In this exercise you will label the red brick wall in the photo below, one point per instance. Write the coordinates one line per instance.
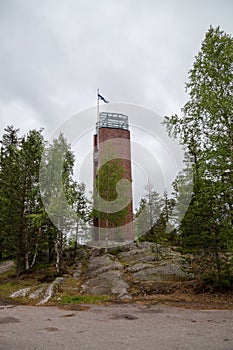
(121, 150)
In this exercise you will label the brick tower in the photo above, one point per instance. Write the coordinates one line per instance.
(113, 217)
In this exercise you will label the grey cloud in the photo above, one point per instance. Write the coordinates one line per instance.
(54, 54)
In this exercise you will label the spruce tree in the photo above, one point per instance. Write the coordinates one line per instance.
(9, 194)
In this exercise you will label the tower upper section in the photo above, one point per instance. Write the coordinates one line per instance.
(112, 120)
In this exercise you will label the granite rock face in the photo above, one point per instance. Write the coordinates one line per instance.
(37, 293)
(20, 293)
(159, 272)
(137, 255)
(142, 265)
(107, 283)
(123, 272)
(103, 276)
(101, 264)
(51, 290)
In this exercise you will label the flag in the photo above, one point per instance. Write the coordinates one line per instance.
(100, 97)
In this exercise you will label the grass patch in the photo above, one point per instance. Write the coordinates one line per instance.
(79, 299)
(9, 284)
(71, 284)
(9, 287)
(7, 275)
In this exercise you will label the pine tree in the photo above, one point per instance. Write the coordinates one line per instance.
(148, 215)
(9, 193)
(20, 197)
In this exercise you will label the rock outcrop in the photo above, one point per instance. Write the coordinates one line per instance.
(20, 293)
(133, 270)
(107, 283)
(51, 290)
(103, 276)
(43, 292)
(122, 273)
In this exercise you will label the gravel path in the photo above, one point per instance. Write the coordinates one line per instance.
(115, 327)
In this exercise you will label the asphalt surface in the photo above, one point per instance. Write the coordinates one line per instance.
(115, 327)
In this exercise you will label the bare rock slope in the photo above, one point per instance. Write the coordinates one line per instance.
(121, 273)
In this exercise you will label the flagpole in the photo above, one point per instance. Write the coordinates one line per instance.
(98, 105)
(96, 228)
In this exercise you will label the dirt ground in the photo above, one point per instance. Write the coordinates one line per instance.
(115, 327)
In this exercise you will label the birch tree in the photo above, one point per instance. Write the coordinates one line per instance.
(56, 189)
(205, 128)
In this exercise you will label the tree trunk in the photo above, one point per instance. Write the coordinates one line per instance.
(27, 261)
(76, 239)
(59, 251)
(20, 245)
(27, 253)
(34, 256)
(217, 261)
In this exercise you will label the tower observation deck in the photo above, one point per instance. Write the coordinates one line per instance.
(112, 120)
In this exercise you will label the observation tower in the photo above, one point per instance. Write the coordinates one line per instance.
(113, 209)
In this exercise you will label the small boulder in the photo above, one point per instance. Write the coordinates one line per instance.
(108, 283)
(37, 293)
(51, 290)
(20, 293)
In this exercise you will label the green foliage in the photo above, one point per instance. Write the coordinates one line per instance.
(82, 208)
(152, 216)
(26, 231)
(79, 299)
(19, 194)
(109, 174)
(9, 186)
(206, 131)
(57, 190)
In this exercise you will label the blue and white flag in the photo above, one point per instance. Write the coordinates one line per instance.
(100, 97)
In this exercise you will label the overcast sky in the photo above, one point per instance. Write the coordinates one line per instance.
(55, 54)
